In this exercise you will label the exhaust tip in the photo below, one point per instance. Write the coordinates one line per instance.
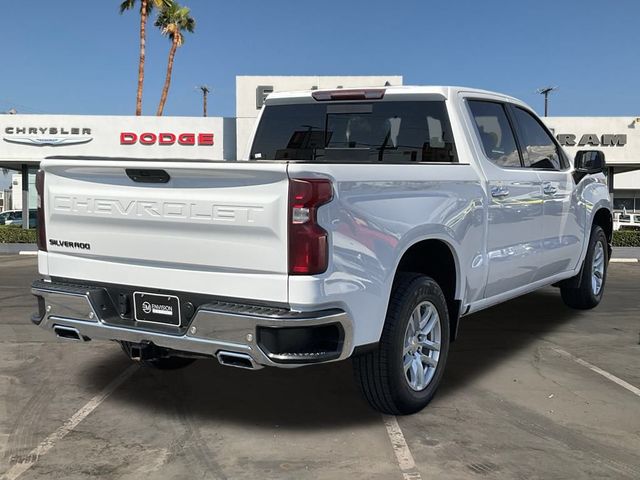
(69, 333)
(238, 360)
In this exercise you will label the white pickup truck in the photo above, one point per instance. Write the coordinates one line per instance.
(365, 223)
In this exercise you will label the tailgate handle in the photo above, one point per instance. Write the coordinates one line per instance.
(148, 176)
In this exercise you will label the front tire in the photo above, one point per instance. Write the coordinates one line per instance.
(592, 276)
(402, 374)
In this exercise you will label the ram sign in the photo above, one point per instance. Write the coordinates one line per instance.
(617, 137)
(593, 140)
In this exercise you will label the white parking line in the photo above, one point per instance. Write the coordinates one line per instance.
(624, 260)
(68, 426)
(27, 252)
(401, 449)
(633, 389)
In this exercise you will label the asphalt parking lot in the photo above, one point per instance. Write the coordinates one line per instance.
(530, 392)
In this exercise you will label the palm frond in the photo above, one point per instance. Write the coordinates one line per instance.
(173, 19)
(127, 5)
(151, 4)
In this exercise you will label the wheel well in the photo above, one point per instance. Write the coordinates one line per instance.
(435, 259)
(603, 219)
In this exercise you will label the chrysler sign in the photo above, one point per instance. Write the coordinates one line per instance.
(52, 136)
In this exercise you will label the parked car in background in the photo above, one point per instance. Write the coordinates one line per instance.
(626, 221)
(364, 224)
(14, 217)
(4, 216)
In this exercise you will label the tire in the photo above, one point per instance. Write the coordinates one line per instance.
(587, 296)
(381, 374)
(162, 362)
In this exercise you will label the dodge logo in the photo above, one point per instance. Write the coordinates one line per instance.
(166, 138)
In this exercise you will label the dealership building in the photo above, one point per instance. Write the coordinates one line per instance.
(28, 139)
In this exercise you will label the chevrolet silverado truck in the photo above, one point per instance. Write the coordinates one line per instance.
(365, 223)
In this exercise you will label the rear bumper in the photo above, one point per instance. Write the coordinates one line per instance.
(216, 327)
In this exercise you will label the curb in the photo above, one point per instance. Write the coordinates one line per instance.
(16, 248)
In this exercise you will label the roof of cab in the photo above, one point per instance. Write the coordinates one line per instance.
(445, 91)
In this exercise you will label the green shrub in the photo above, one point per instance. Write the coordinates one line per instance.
(15, 234)
(626, 238)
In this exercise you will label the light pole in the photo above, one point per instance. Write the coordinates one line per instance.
(546, 91)
(205, 91)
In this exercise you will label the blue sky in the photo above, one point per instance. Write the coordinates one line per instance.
(80, 57)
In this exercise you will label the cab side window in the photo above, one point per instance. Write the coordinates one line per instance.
(495, 133)
(538, 148)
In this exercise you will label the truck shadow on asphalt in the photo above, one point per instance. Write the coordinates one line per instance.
(491, 336)
(322, 396)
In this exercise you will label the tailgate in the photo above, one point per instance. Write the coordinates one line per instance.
(213, 228)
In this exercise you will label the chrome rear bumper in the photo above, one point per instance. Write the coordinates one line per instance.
(215, 328)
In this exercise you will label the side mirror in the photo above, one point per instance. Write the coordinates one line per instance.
(589, 162)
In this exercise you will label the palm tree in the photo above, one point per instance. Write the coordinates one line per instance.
(172, 21)
(145, 8)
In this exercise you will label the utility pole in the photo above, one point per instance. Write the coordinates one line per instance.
(546, 91)
(205, 91)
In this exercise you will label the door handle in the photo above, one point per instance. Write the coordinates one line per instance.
(499, 192)
(549, 189)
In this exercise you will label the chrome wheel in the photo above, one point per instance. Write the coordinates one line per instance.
(597, 268)
(421, 351)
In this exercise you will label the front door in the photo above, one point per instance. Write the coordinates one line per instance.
(564, 217)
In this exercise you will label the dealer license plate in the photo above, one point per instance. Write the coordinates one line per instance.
(153, 308)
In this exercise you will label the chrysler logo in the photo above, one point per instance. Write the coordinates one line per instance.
(51, 136)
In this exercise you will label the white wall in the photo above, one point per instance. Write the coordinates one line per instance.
(627, 181)
(30, 138)
(619, 155)
(5, 200)
(579, 126)
(16, 191)
(247, 111)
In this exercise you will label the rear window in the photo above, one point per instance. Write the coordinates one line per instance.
(495, 132)
(385, 132)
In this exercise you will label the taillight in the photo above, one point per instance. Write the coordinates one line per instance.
(308, 246)
(42, 233)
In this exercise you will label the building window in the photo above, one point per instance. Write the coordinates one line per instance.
(621, 203)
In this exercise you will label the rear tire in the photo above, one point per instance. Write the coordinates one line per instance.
(401, 375)
(592, 276)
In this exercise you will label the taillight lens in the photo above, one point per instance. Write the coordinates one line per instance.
(42, 233)
(308, 246)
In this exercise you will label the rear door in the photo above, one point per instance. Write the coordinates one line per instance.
(213, 228)
(564, 216)
(515, 226)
